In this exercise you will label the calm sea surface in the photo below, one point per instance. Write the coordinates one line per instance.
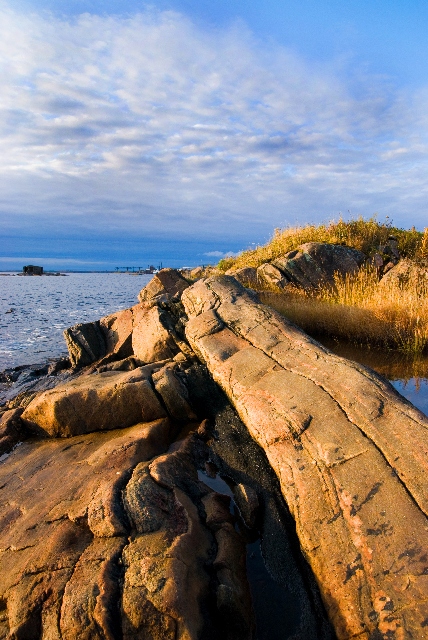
(34, 311)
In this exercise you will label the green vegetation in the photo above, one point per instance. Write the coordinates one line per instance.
(357, 308)
(365, 235)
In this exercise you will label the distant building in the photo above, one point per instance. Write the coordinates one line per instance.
(32, 270)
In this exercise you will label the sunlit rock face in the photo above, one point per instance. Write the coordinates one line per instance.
(110, 535)
(350, 455)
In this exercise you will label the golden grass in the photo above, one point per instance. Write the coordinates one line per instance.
(366, 235)
(361, 311)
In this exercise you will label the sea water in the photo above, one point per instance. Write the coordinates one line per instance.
(35, 310)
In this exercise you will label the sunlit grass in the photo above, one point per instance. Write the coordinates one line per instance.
(366, 235)
(361, 311)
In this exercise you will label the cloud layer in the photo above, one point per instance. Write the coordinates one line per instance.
(148, 125)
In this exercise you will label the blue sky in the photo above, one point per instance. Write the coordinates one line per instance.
(179, 131)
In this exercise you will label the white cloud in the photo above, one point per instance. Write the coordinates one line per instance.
(149, 123)
(221, 254)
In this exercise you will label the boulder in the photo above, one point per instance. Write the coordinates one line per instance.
(85, 343)
(270, 276)
(196, 273)
(97, 402)
(143, 330)
(406, 273)
(153, 336)
(315, 264)
(110, 336)
(172, 389)
(351, 456)
(247, 276)
(12, 430)
(247, 502)
(117, 332)
(92, 546)
(165, 285)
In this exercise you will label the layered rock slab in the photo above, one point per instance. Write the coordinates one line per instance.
(62, 530)
(350, 454)
(108, 536)
(96, 402)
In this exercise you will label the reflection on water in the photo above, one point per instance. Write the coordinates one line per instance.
(276, 608)
(408, 375)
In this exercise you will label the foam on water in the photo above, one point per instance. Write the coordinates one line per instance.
(44, 306)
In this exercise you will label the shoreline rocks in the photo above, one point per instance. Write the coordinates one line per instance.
(323, 455)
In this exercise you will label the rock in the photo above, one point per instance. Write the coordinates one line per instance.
(247, 502)
(349, 452)
(12, 430)
(144, 331)
(93, 547)
(196, 273)
(117, 332)
(247, 276)
(85, 343)
(61, 364)
(152, 338)
(63, 530)
(268, 274)
(93, 403)
(26, 382)
(172, 389)
(106, 339)
(406, 273)
(127, 364)
(377, 262)
(315, 263)
(166, 285)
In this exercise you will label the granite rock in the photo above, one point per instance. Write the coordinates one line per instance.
(349, 452)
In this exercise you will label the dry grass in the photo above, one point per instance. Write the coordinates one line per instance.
(357, 309)
(366, 235)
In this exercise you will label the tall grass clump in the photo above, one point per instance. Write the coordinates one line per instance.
(361, 310)
(368, 236)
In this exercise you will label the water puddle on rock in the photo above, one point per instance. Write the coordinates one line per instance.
(274, 605)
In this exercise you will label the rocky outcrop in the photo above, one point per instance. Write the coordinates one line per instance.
(247, 276)
(85, 343)
(350, 455)
(126, 544)
(152, 339)
(315, 263)
(112, 534)
(138, 331)
(12, 431)
(109, 400)
(163, 287)
(270, 276)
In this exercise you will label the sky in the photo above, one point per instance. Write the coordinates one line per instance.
(181, 131)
